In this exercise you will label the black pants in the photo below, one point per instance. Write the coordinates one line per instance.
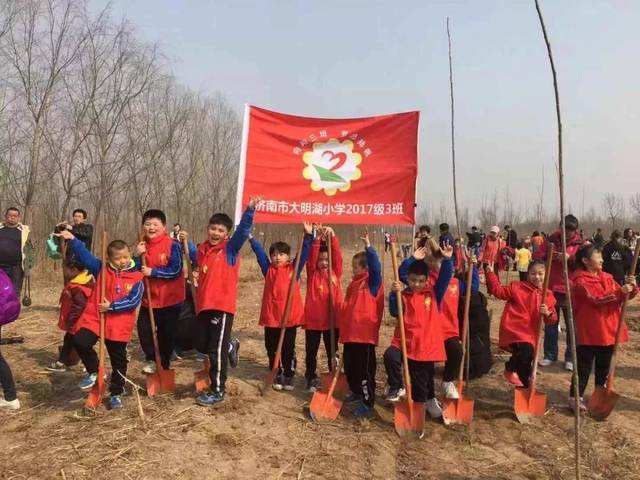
(312, 344)
(16, 274)
(523, 276)
(84, 341)
(453, 347)
(360, 370)
(521, 361)
(421, 374)
(213, 332)
(587, 356)
(288, 355)
(166, 323)
(67, 349)
(6, 379)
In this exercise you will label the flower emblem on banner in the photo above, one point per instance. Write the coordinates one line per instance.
(332, 166)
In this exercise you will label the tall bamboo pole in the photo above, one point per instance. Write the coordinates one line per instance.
(565, 267)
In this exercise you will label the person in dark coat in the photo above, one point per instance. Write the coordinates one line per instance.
(617, 257)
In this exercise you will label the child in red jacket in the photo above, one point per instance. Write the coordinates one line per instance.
(123, 294)
(316, 307)
(520, 320)
(360, 319)
(277, 269)
(218, 262)
(597, 300)
(424, 324)
(163, 257)
(73, 299)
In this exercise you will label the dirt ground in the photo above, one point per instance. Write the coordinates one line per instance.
(250, 436)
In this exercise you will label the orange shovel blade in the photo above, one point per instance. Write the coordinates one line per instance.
(457, 411)
(409, 422)
(324, 408)
(527, 405)
(267, 383)
(342, 387)
(94, 399)
(602, 403)
(163, 381)
(201, 378)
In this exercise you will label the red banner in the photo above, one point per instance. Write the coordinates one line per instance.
(358, 170)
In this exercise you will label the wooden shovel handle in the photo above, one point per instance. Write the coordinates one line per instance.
(103, 295)
(192, 285)
(465, 323)
(152, 319)
(332, 321)
(403, 338)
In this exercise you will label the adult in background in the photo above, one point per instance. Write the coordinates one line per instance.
(556, 284)
(82, 230)
(14, 247)
(629, 238)
(598, 239)
(474, 240)
(511, 237)
(176, 231)
(617, 258)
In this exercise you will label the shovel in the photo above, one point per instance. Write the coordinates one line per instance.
(94, 399)
(528, 402)
(408, 416)
(201, 378)
(460, 410)
(161, 381)
(268, 380)
(325, 407)
(603, 400)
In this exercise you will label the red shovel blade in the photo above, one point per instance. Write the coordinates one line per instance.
(342, 387)
(94, 399)
(457, 411)
(163, 381)
(409, 422)
(527, 405)
(201, 378)
(324, 408)
(602, 403)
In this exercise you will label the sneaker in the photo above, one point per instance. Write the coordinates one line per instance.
(395, 394)
(433, 408)
(115, 402)
(234, 352)
(201, 357)
(175, 357)
(287, 383)
(512, 378)
(450, 390)
(362, 410)
(278, 382)
(10, 404)
(312, 384)
(568, 366)
(545, 362)
(207, 399)
(149, 368)
(57, 366)
(582, 404)
(88, 381)
(353, 398)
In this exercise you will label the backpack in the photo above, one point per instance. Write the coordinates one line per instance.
(9, 303)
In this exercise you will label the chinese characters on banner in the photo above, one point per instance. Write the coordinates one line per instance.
(357, 171)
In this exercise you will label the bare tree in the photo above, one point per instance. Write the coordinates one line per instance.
(613, 207)
(634, 203)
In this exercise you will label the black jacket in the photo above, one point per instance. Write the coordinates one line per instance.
(617, 260)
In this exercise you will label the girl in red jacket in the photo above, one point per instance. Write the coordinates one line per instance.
(597, 299)
(123, 294)
(277, 269)
(521, 319)
(360, 319)
(316, 309)
(73, 299)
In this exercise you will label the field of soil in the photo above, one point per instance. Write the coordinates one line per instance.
(249, 436)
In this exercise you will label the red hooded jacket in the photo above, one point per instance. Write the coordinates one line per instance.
(597, 302)
(520, 321)
(423, 326)
(217, 279)
(274, 297)
(118, 325)
(165, 292)
(316, 311)
(556, 280)
(361, 312)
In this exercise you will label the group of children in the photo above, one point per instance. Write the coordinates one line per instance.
(432, 287)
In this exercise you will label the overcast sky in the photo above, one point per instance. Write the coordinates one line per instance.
(340, 58)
